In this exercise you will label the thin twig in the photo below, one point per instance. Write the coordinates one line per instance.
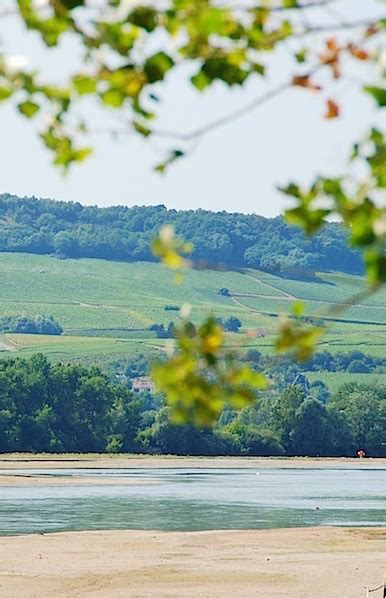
(224, 120)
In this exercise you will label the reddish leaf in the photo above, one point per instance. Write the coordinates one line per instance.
(358, 53)
(333, 110)
(332, 45)
(305, 81)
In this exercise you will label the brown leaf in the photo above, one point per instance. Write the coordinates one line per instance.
(335, 66)
(305, 81)
(331, 57)
(372, 30)
(333, 110)
(332, 45)
(358, 53)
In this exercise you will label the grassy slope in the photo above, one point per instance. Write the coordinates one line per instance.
(102, 300)
(333, 380)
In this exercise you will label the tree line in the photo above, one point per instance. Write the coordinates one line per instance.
(47, 407)
(70, 230)
(25, 325)
(355, 362)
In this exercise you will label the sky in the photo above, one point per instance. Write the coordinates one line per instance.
(237, 168)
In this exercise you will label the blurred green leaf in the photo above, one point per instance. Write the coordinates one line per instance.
(378, 93)
(144, 17)
(113, 97)
(201, 378)
(84, 85)
(157, 66)
(5, 93)
(28, 108)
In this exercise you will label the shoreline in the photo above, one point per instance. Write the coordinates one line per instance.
(125, 461)
(291, 562)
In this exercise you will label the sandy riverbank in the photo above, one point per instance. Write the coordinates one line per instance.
(300, 562)
(28, 461)
(84, 480)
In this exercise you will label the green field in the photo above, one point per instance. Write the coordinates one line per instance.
(84, 349)
(333, 380)
(106, 308)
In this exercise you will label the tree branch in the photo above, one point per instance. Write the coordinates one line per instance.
(224, 120)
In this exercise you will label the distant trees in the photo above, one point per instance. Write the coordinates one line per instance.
(354, 362)
(315, 432)
(358, 367)
(138, 365)
(38, 325)
(69, 408)
(71, 230)
(162, 332)
(232, 324)
(323, 361)
(62, 408)
(364, 409)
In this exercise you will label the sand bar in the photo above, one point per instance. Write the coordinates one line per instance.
(300, 562)
(8, 480)
(67, 461)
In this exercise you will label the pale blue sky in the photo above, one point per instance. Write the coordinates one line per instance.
(234, 169)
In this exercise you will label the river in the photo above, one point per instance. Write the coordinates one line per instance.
(188, 499)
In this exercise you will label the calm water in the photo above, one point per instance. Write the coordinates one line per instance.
(197, 499)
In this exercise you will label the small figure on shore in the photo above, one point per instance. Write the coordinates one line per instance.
(361, 454)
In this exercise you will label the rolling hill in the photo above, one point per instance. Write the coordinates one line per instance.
(106, 307)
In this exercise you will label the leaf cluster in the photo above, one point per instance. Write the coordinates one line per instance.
(201, 378)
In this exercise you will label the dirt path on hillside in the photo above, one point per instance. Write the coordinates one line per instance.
(7, 345)
(270, 286)
(249, 309)
(287, 296)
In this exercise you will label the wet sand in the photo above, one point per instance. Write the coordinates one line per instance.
(84, 480)
(300, 562)
(66, 461)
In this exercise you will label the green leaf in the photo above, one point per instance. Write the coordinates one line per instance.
(292, 189)
(70, 4)
(113, 97)
(212, 20)
(225, 70)
(28, 108)
(82, 154)
(297, 338)
(378, 93)
(200, 81)
(376, 266)
(173, 156)
(55, 93)
(301, 56)
(202, 377)
(5, 93)
(84, 85)
(61, 7)
(52, 29)
(170, 249)
(309, 220)
(298, 308)
(258, 68)
(144, 17)
(157, 66)
(141, 129)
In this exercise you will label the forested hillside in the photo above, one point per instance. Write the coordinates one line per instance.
(46, 226)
